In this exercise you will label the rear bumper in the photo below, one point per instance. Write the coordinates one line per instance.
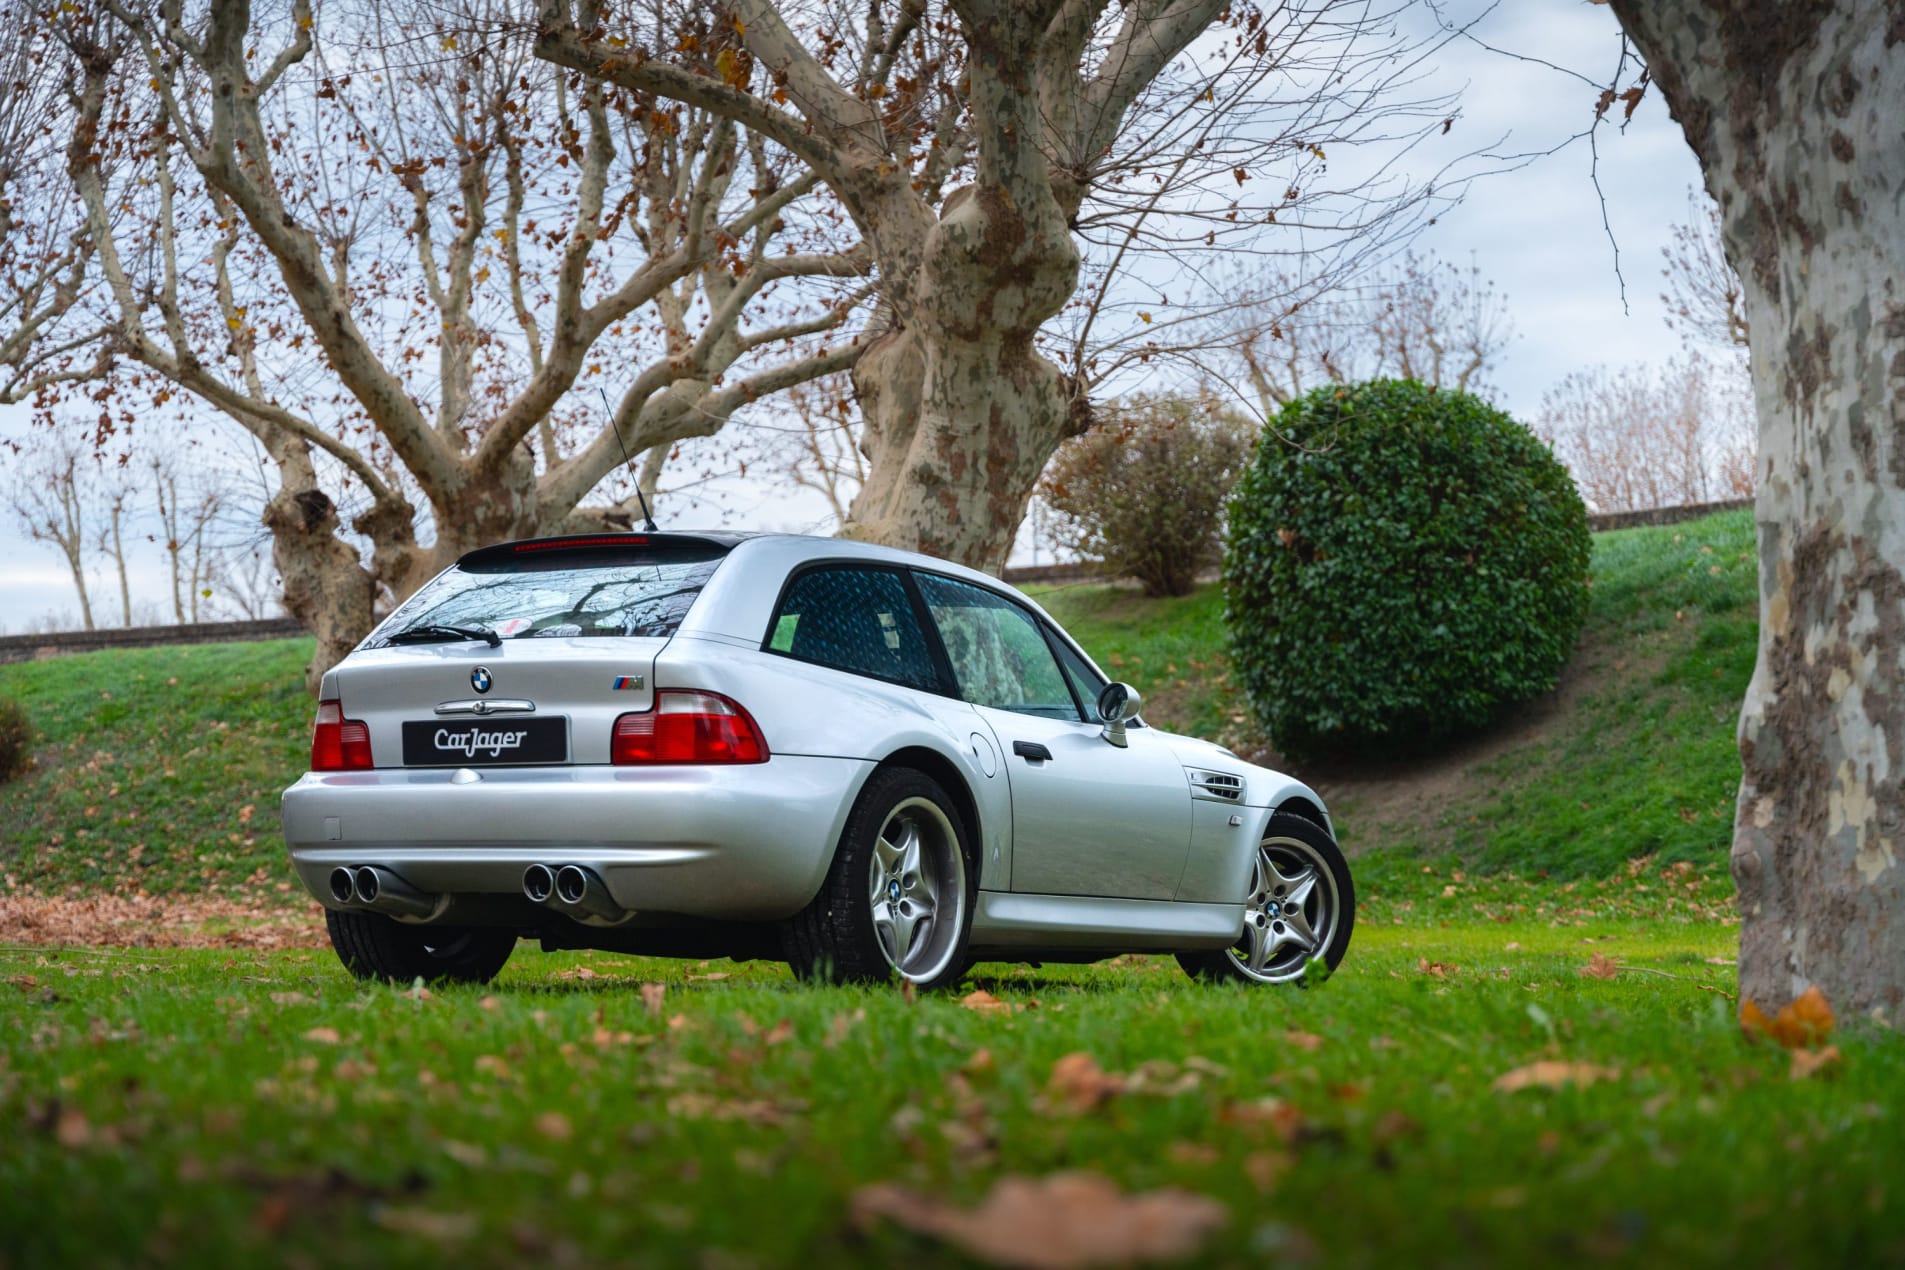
(748, 842)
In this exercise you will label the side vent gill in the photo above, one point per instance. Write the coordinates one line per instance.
(1217, 787)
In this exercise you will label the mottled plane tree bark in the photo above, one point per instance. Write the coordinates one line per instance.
(975, 144)
(1794, 110)
(402, 254)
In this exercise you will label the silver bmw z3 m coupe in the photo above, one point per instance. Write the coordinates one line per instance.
(859, 760)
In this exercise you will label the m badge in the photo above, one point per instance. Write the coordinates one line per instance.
(480, 679)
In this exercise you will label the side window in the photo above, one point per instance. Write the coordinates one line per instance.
(858, 620)
(999, 656)
(1084, 681)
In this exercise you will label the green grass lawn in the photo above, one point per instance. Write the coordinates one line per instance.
(231, 1107)
(159, 768)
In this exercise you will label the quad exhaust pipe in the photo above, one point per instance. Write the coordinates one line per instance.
(381, 891)
(573, 889)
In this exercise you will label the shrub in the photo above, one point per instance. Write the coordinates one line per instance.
(1144, 491)
(16, 740)
(1402, 562)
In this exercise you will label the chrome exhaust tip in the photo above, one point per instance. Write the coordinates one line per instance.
(583, 892)
(343, 886)
(539, 883)
(383, 891)
(572, 884)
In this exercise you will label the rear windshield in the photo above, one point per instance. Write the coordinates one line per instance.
(562, 594)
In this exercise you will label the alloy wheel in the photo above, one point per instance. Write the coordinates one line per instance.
(916, 889)
(1291, 914)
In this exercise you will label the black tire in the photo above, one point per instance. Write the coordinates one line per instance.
(836, 939)
(373, 946)
(1329, 902)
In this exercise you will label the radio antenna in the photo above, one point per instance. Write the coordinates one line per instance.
(648, 521)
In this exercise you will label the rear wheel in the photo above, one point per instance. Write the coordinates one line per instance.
(1301, 906)
(898, 895)
(373, 946)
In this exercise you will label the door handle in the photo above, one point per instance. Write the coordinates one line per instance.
(1032, 751)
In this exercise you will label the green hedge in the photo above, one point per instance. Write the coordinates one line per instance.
(1402, 561)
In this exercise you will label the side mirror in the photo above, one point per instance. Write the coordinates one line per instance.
(1117, 703)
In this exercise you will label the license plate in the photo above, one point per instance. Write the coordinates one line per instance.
(485, 743)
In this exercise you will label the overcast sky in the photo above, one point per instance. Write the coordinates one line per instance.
(1536, 232)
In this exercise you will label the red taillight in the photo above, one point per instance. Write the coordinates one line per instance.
(338, 744)
(688, 727)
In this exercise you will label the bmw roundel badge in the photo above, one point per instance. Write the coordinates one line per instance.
(480, 679)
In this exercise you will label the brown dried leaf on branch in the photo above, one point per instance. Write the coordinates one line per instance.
(1055, 1223)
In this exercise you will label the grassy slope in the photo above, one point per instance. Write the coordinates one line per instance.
(1638, 760)
(158, 768)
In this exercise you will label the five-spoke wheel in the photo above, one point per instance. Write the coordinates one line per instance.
(899, 894)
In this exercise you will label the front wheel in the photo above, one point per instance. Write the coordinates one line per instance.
(373, 946)
(1301, 906)
(899, 894)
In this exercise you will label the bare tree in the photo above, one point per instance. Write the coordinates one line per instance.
(995, 153)
(114, 498)
(388, 247)
(187, 512)
(1424, 319)
(50, 500)
(1705, 299)
(825, 445)
(1793, 112)
(1638, 438)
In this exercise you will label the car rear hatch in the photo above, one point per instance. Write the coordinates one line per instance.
(577, 623)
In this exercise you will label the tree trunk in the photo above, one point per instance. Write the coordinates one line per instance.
(326, 586)
(1794, 112)
(119, 560)
(961, 411)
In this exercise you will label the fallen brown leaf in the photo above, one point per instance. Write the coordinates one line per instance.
(652, 994)
(984, 1002)
(1810, 1063)
(441, 1227)
(1804, 1023)
(323, 1035)
(554, 1126)
(1551, 1073)
(1601, 966)
(1434, 969)
(1308, 1042)
(1054, 1223)
(1078, 1085)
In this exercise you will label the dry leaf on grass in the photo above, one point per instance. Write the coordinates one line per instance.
(323, 1035)
(1434, 969)
(1078, 1085)
(554, 1126)
(652, 994)
(1601, 966)
(984, 1002)
(1804, 1023)
(1054, 1223)
(441, 1227)
(1810, 1063)
(1308, 1042)
(756, 1111)
(1552, 1073)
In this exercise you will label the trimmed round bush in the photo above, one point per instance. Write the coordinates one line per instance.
(1402, 561)
(16, 740)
